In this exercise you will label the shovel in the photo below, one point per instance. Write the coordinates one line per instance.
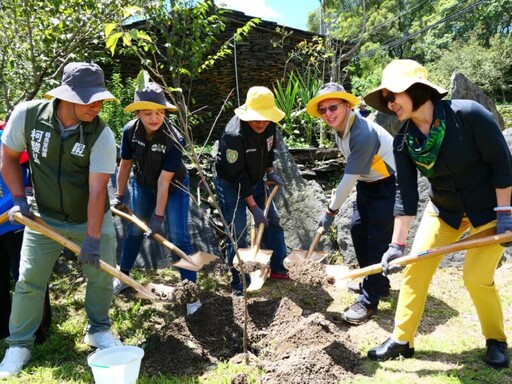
(299, 256)
(255, 254)
(150, 291)
(481, 239)
(193, 262)
(259, 276)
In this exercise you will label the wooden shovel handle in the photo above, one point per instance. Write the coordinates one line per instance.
(314, 243)
(42, 227)
(261, 227)
(4, 217)
(128, 215)
(474, 241)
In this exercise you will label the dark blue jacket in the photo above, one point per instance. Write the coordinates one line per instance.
(245, 155)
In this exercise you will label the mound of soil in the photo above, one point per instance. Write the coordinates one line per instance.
(291, 336)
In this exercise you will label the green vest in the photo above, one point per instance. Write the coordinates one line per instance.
(60, 167)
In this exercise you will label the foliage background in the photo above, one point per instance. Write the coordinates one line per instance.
(472, 36)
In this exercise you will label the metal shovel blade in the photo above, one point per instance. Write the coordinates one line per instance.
(299, 256)
(159, 291)
(258, 278)
(255, 255)
(337, 272)
(200, 259)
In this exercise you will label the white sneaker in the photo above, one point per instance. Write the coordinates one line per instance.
(14, 361)
(119, 285)
(192, 307)
(102, 340)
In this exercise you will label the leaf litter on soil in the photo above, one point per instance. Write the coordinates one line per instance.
(292, 336)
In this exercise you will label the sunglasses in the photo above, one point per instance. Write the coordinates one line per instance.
(389, 97)
(332, 108)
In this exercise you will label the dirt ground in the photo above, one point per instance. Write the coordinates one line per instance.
(292, 336)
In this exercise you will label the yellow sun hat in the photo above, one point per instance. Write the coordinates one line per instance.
(397, 77)
(330, 91)
(259, 106)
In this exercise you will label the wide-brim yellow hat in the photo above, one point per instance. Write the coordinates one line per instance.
(259, 106)
(330, 91)
(397, 77)
(151, 97)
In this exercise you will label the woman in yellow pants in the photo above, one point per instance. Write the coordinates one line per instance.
(459, 147)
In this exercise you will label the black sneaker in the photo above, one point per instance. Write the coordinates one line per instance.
(237, 293)
(358, 313)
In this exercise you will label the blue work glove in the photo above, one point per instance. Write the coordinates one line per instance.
(21, 206)
(259, 217)
(394, 252)
(155, 224)
(90, 252)
(504, 218)
(326, 220)
(275, 178)
(117, 201)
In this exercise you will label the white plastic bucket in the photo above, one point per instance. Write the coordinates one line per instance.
(118, 365)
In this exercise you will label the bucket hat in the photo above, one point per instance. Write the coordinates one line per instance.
(397, 77)
(151, 97)
(82, 83)
(330, 91)
(260, 105)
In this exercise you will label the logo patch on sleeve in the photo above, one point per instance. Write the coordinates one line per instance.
(270, 142)
(231, 155)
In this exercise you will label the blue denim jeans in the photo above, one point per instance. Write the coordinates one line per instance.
(176, 224)
(234, 210)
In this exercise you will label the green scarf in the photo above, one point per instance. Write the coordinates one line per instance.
(425, 154)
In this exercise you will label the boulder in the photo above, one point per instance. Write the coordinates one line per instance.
(462, 88)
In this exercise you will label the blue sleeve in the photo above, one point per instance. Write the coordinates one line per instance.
(6, 202)
(126, 147)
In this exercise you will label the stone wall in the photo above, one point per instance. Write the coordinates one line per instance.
(258, 60)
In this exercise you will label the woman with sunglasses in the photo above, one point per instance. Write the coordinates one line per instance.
(458, 146)
(367, 148)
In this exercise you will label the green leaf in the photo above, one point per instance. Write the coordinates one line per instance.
(143, 80)
(109, 28)
(143, 35)
(112, 42)
(127, 39)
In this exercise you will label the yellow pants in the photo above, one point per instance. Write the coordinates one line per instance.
(478, 274)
